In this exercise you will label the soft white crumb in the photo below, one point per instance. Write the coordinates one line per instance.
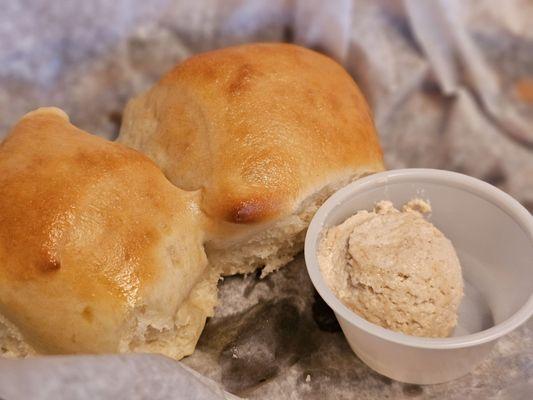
(308, 378)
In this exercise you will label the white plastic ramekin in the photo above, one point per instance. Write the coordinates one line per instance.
(493, 236)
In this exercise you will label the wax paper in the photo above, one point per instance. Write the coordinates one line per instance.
(450, 84)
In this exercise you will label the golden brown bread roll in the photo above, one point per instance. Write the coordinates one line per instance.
(98, 251)
(267, 132)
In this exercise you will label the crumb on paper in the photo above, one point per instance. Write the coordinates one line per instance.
(308, 378)
(524, 89)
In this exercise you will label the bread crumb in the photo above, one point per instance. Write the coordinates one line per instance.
(308, 378)
(524, 90)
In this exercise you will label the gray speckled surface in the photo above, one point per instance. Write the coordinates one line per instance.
(269, 334)
(450, 93)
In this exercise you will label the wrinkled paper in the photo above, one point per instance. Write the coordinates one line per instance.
(132, 376)
(451, 86)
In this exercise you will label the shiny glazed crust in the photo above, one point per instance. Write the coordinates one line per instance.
(98, 251)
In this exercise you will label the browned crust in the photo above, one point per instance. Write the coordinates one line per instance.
(257, 127)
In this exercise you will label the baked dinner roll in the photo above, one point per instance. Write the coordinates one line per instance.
(267, 132)
(99, 253)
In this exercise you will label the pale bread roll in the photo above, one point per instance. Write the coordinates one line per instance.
(99, 253)
(267, 132)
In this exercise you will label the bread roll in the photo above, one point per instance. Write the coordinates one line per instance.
(267, 132)
(99, 253)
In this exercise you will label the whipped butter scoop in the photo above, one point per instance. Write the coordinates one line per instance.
(395, 269)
